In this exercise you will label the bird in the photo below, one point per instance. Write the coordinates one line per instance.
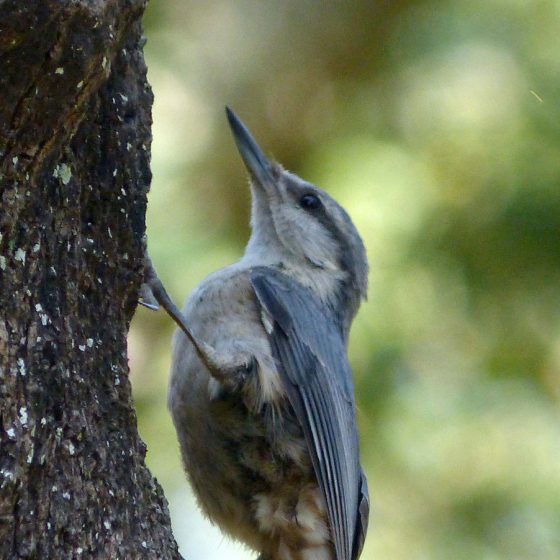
(261, 391)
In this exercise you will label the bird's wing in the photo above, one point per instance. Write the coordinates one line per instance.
(310, 351)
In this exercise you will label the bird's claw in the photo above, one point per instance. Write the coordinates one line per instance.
(147, 298)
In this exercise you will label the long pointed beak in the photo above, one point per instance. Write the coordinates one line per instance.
(255, 160)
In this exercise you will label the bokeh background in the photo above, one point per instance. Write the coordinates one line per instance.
(437, 125)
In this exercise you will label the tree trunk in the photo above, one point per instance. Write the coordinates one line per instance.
(75, 116)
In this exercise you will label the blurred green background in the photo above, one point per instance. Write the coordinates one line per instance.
(437, 125)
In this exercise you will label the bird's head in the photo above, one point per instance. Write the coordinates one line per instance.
(299, 226)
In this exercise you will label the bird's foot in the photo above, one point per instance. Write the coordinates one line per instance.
(231, 368)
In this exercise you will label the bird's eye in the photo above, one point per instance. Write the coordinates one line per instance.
(309, 202)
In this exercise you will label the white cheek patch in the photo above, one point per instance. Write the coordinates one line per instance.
(304, 236)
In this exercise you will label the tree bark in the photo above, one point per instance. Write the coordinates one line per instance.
(75, 116)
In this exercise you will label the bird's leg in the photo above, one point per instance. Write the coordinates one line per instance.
(153, 294)
(230, 368)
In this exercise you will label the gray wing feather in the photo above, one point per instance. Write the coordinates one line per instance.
(310, 350)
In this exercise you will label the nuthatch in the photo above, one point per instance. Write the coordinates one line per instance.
(261, 391)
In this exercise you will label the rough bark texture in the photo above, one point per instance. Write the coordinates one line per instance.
(75, 116)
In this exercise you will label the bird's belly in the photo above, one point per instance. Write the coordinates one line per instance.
(255, 480)
(295, 525)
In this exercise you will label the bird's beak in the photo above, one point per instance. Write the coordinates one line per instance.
(256, 162)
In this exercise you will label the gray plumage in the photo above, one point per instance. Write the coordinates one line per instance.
(261, 392)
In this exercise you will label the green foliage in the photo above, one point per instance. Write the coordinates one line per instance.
(436, 125)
